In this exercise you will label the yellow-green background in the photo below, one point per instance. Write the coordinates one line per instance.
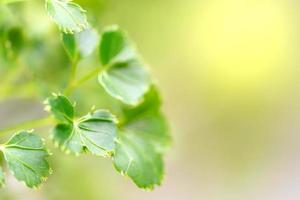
(229, 75)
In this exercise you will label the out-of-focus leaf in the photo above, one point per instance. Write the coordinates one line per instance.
(127, 81)
(69, 44)
(136, 157)
(144, 139)
(80, 45)
(15, 38)
(147, 120)
(69, 16)
(115, 46)
(12, 42)
(87, 41)
(26, 156)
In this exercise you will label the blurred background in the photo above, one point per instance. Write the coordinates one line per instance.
(229, 75)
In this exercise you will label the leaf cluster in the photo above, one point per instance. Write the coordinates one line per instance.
(135, 139)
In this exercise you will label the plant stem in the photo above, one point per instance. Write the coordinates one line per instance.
(87, 77)
(82, 80)
(28, 125)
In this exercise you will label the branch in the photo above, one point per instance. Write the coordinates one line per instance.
(82, 80)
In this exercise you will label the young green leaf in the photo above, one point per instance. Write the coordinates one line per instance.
(145, 139)
(26, 156)
(96, 132)
(61, 107)
(87, 41)
(69, 16)
(127, 81)
(147, 120)
(115, 46)
(70, 46)
(135, 157)
(66, 137)
(2, 179)
(124, 77)
(80, 45)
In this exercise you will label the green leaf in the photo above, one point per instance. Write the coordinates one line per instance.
(147, 120)
(2, 179)
(127, 81)
(69, 16)
(67, 138)
(124, 77)
(69, 44)
(136, 157)
(152, 103)
(87, 41)
(115, 46)
(145, 139)
(61, 107)
(26, 156)
(96, 132)
(81, 44)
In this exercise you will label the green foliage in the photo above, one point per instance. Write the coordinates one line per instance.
(61, 108)
(87, 41)
(143, 140)
(115, 47)
(12, 42)
(138, 159)
(69, 16)
(125, 77)
(99, 131)
(81, 44)
(137, 152)
(94, 132)
(16, 39)
(135, 138)
(147, 120)
(127, 81)
(69, 43)
(26, 155)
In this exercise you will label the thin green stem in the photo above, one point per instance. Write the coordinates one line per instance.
(82, 80)
(36, 123)
(87, 77)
